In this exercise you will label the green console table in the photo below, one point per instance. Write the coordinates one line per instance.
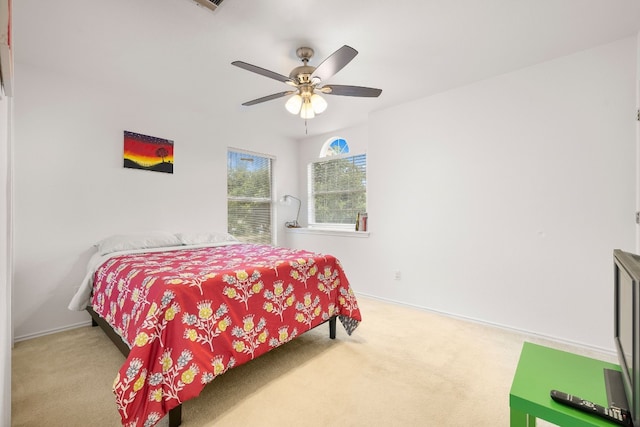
(541, 369)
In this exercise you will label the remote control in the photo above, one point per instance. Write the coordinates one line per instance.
(616, 415)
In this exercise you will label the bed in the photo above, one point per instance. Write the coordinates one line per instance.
(185, 308)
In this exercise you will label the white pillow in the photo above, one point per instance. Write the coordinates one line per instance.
(196, 238)
(124, 242)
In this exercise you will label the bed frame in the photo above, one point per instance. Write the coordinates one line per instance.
(175, 414)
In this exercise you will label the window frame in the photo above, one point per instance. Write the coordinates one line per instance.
(311, 194)
(328, 151)
(261, 200)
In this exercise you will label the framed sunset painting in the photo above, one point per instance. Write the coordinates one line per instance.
(148, 152)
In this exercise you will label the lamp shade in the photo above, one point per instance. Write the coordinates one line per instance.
(293, 104)
(307, 110)
(318, 103)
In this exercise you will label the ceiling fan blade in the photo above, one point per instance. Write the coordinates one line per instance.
(268, 98)
(334, 63)
(262, 72)
(343, 90)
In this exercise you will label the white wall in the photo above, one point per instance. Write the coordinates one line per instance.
(638, 139)
(6, 337)
(71, 188)
(502, 201)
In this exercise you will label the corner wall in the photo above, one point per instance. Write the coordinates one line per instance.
(71, 189)
(6, 324)
(502, 201)
(638, 140)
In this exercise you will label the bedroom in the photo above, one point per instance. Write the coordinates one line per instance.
(514, 186)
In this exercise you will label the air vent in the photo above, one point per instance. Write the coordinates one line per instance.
(209, 4)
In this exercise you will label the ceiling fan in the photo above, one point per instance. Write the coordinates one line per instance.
(307, 80)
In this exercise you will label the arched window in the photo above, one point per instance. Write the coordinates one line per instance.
(337, 186)
(334, 146)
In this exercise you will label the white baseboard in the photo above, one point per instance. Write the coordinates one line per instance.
(51, 331)
(605, 352)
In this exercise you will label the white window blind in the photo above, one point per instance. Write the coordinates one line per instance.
(337, 190)
(249, 197)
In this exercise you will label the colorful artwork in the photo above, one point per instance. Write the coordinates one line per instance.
(147, 152)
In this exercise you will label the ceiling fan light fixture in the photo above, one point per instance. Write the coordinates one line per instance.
(318, 103)
(293, 104)
(306, 81)
(307, 110)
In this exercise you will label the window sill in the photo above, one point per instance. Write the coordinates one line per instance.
(328, 232)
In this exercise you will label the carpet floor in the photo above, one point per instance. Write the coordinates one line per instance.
(401, 367)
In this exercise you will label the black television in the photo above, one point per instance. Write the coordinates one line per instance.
(627, 328)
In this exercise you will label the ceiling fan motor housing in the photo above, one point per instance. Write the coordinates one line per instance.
(302, 74)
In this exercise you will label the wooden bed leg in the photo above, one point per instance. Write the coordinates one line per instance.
(175, 416)
(93, 323)
(332, 328)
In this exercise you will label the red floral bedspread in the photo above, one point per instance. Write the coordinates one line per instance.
(191, 314)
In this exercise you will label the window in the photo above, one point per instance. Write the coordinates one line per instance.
(249, 197)
(337, 191)
(334, 147)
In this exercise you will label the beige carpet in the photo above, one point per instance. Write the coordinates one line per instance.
(401, 367)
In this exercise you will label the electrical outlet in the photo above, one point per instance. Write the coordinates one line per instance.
(397, 275)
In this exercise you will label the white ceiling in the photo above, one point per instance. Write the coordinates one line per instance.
(180, 52)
